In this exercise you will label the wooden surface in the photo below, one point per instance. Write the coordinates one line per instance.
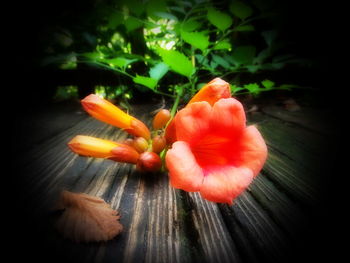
(272, 221)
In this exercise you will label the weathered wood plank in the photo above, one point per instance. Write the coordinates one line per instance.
(214, 237)
(319, 121)
(162, 224)
(281, 209)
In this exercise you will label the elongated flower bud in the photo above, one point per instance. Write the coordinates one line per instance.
(161, 119)
(149, 162)
(107, 112)
(158, 144)
(100, 148)
(212, 92)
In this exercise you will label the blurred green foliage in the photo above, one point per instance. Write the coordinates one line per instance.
(66, 92)
(172, 47)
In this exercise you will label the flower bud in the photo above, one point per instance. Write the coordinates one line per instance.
(107, 112)
(212, 92)
(158, 144)
(161, 119)
(149, 162)
(100, 148)
(140, 144)
(129, 142)
(170, 132)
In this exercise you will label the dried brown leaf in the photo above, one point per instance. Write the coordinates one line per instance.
(87, 218)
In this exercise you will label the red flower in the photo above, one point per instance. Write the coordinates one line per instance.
(215, 153)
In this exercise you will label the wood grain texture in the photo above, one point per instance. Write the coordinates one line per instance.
(163, 224)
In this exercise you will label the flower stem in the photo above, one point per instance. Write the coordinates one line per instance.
(177, 100)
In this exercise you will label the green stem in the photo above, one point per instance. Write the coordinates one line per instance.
(163, 93)
(107, 67)
(176, 102)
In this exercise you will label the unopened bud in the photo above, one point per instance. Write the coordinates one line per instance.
(140, 144)
(129, 142)
(107, 112)
(161, 119)
(158, 144)
(149, 162)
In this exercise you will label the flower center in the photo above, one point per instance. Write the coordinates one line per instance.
(212, 150)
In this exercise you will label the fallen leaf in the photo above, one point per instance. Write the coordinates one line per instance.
(87, 218)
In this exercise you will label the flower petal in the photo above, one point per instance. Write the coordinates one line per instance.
(212, 92)
(193, 121)
(253, 150)
(228, 117)
(184, 172)
(224, 183)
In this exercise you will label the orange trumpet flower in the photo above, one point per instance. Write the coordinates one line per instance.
(215, 153)
(107, 112)
(100, 148)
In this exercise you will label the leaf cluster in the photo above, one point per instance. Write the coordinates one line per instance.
(193, 39)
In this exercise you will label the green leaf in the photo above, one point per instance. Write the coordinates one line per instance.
(220, 61)
(190, 25)
(179, 9)
(119, 62)
(135, 7)
(132, 23)
(244, 54)
(241, 10)
(197, 39)
(269, 36)
(213, 65)
(202, 60)
(253, 68)
(158, 71)
(262, 56)
(253, 88)
(234, 89)
(114, 20)
(154, 6)
(200, 85)
(177, 62)
(166, 15)
(219, 19)
(245, 28)
(222, 45)
(92, 55)
(268, 84)
(145, 81)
